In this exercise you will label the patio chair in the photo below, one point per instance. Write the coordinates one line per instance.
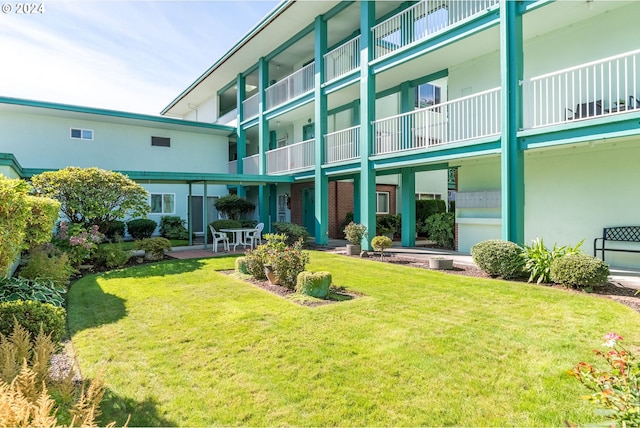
(250, 238)
(219, 237)
(584, 110)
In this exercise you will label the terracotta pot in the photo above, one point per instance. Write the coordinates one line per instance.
(271, 275)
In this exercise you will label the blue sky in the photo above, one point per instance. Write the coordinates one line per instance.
(133, 56)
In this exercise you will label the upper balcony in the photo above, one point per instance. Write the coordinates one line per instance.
(294, 85)
(342, 60)
(423, 20)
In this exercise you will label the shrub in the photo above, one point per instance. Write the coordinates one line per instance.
(116, 230)
(173, 227)
(47, 264)
(388, 224)
(355, 233)
(41, 290)
(579, 271)
(347, 219)
(32, 316)
(314, 284)
(14, 214)
(538, 259)
(248, 223)
(425, 208)
(254, 262)
(234, 207)
(498, 258)
(76, 241)
(241, 265)
(616, 388)
(286, 261)
(44, 213)
(439, 227)
(293, 232)
(112, 256)
(153, 247)
(381, 243)
(141, 228)
(223, 224)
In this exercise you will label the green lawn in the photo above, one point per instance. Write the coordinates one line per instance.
(129, 245)
(182, 344)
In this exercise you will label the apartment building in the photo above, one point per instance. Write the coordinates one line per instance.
(524, 112)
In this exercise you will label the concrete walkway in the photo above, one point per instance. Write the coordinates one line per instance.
(624, 277)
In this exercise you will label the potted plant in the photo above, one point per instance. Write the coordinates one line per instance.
(354, 233)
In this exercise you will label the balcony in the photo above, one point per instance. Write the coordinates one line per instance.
(609, 86)
(292, 86)
(342, 145)
(233, 167)
(422, 21)
(251, 107)
(342, 60)
(251, 164)
(294, 158)
(464, 119)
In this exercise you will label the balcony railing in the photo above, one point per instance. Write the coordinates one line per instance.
(292, 86)
(251, 164)
(233, 167)
(342, 59)
(342, 145)
(296, 157)
(463, 119)
(251, 106)
(422, 20)
(604, 87)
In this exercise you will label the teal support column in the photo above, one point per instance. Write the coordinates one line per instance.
(190, 215)
(408, 191)
(273, 207)
(264, 138)
(356, 199)
(367, 195)
(205, 214)
(512, 157)
(264, 206)
(241, 140)
(321, 182)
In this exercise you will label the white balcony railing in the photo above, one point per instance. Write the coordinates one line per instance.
(233, 167)
(292, 86)
(463, 119)
(251, 164)
(422, 20)
(296, 157)
(251, 106)
(604, 87)
(342, 59)
(342, 145)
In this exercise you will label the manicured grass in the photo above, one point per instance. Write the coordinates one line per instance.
(128, 245)
(182, 344)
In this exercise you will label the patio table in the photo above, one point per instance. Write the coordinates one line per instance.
(238, 236)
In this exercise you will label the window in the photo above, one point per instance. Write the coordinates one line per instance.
(81, 134)
(161, 141)
(163, 203)
(382, 202)
(423, 196)
(427, 95)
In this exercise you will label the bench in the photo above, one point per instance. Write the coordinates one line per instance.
(617, 234)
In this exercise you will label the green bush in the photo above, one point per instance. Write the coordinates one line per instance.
(355, 233)
(173, 227)
(287, 261)
(234, 206)
(141, 228)
(41, 290)
(314, 284)
(224, 224)
(48, 264)
(293, 232)
(241, 265)
(32, 315)
(116, 229)
(112, 256)
(347, 219)
(381, 243)
(153, 247)
(254, 263)
(44, 213)
(538, 259)
(14, 215)
(388, 224)
(498, 258)
(579, 270)
(425, 208)
(439, 227)
(248, 223)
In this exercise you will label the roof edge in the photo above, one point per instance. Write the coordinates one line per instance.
(277, 10)
(113, 113)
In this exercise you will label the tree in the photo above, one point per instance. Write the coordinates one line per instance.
(93, 196)
(234, 206)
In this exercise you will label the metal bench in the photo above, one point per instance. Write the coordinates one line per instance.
(617, 234)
